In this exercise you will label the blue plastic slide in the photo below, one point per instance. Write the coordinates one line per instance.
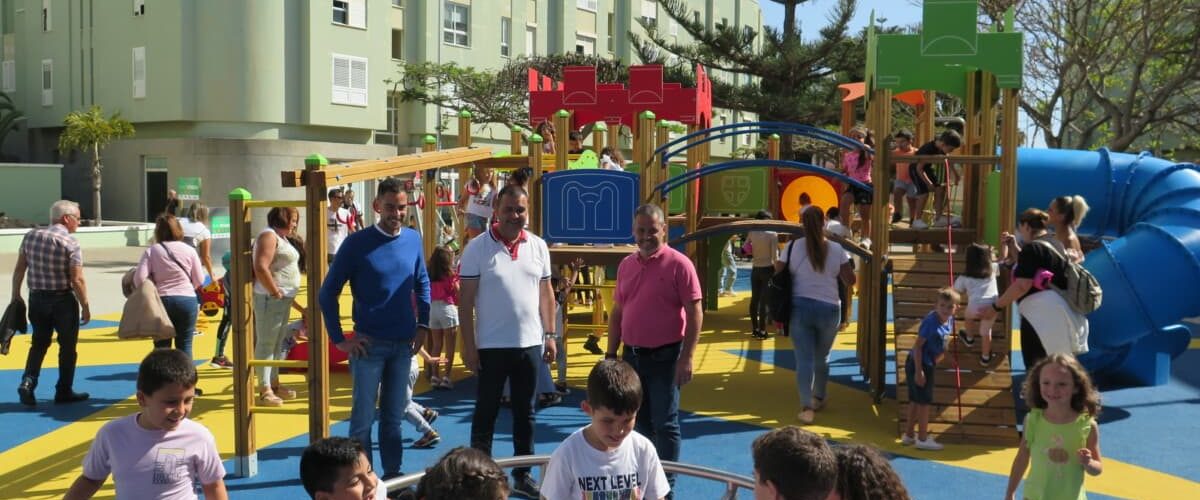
(1146, 211)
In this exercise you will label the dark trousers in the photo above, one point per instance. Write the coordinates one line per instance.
(658, 418)
(223, 330)
(50, 312)
(1032, 349)
(518, 365)
(759, 276)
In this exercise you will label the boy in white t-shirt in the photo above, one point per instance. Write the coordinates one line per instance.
(607, 459)
(157, 453)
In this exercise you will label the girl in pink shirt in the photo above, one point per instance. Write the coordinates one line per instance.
(857, 165)
(443, 315)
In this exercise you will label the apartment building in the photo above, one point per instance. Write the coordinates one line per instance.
(234, 91)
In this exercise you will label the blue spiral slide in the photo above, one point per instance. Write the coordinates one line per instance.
(1146, 212)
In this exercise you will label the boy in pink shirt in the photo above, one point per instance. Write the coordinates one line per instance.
(157, 453)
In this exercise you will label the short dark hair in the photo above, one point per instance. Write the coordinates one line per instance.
(979, 261)
(280, 217)
(614, 385)
(799, 463)
(166, 228)
(863, 474)
(1035, 218)
(521, 175)
(511, 190)
(335, 193)
(575, 135)
(832, 213)
(388, 186)
(165, 366)
(950, 138)
(904, 134)
(323, 461)
(763, 215)
(463, 473)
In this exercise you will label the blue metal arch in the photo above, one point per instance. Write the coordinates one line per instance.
(834, 138)
(690, 175)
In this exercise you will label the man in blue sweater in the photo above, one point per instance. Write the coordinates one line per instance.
(387, 276)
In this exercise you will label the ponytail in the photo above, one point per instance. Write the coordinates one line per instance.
(814, 237)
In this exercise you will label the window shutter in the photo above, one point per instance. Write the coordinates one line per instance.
(10, 76)
(139, 72)
(358, 82)
(47, 82)
(349, 83)
(358, 13)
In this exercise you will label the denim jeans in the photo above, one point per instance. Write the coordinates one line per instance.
(414, 412)
(759, 276)
(728, 277)
(520, 364)
(270, 325)
(813, 328)
(658, 419)
(381, 377)
(182, 310)
(50, 312)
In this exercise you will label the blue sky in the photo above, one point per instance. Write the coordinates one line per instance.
(814, 15)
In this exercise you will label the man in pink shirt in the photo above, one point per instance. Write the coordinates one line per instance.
(657, 314)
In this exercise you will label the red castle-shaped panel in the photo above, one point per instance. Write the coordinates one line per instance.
(612, 103)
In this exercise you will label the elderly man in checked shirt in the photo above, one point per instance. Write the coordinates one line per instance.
(56, 294)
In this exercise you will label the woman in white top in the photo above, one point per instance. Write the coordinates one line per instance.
(816, 265)
(1066, 213)
(276, 283)
(196, 234)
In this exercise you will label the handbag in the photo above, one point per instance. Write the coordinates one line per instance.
(144, 315)
(779, 291)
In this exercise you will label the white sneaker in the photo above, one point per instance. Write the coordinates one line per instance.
(907, 440)
(928, 444)
(919, 224)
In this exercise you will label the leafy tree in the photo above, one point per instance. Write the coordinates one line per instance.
(1112, 73)
(9, 116)
(91, 131)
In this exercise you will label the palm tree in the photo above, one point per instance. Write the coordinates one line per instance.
(90, 131)
(9, 116)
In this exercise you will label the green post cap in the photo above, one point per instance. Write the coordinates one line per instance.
(429, 139)
(517, 128)
(600, 127)
(647, 114)
(775, 136)
(464, 114)
(239, 194)
(535, 138)
(316, 159)
(562, 113)
(664, 124)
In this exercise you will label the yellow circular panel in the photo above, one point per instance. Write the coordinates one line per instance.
(818, 189)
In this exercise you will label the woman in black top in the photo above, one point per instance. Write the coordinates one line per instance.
(1033, 257)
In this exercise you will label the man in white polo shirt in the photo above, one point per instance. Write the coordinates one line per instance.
(506, 309)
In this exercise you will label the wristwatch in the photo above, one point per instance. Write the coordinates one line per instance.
(549, 335)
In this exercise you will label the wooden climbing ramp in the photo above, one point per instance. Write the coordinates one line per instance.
(982, 395)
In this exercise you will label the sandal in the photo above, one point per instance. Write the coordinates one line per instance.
(268, 398)
(284, 393)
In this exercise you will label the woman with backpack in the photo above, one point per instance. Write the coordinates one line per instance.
(816, 264)
(1048, 324)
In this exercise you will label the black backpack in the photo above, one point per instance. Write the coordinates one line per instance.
(779, 291)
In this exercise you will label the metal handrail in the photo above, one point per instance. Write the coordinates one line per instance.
(732, 481)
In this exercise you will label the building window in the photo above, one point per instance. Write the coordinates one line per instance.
(611, 27)
(139, 7)
(696, 16)
(47, 82)
(350, 13)
(398, 44)
(650, 13)
(674, 27)
(724, 122)
(456, 26)
(747, 31)
(530, 41)
(398, 3)
(349, 80)
(45, 15)
(585, 45)
(506, 36)
(10, 76)
(391, 135)
(591, 5)
(139, 72)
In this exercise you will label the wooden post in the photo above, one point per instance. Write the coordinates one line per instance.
(663, 172)
(318, 354)
(692, 205)
(773, 176)
(614, 136)
(644, 154)
(925, 132)
(464, 128)
(514, 142)
(872, 327)
(245, 462)
(973, 142)
(535, 183)
(599, 132)
(987, 146)
(1008, 162)
(562, 133)
(429, 231)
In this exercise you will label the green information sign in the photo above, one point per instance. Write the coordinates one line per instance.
(220, 226)
(741, 191)
(188, 188)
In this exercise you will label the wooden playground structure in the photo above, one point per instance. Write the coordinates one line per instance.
(982, 395)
